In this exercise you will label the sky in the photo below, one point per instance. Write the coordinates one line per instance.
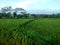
(31, 4)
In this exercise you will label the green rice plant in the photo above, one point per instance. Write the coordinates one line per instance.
(48, 30)
(10, 30)
(30, 31)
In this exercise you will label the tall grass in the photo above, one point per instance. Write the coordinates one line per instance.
(11, 32)
(48, 30)
(30, 32)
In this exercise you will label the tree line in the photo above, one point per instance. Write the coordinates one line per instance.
(6, 13)
(14, 15)
(46, 15)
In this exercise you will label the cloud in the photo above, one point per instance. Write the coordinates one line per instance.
(44, 1)
(23, 4)
(28, 3)
(1, 5)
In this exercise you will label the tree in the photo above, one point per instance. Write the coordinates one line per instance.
(15, 15)
(6, 12)
(34, 15)
(6, 9)
(19, 16)
(9, 15)
(0, 15)
(25, 15)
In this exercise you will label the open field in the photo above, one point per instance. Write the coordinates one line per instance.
(30, 31)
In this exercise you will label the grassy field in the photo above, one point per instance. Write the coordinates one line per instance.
(30, 31)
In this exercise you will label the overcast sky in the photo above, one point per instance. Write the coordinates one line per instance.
(31, 4)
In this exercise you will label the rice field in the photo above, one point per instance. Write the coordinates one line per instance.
(44, 31)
